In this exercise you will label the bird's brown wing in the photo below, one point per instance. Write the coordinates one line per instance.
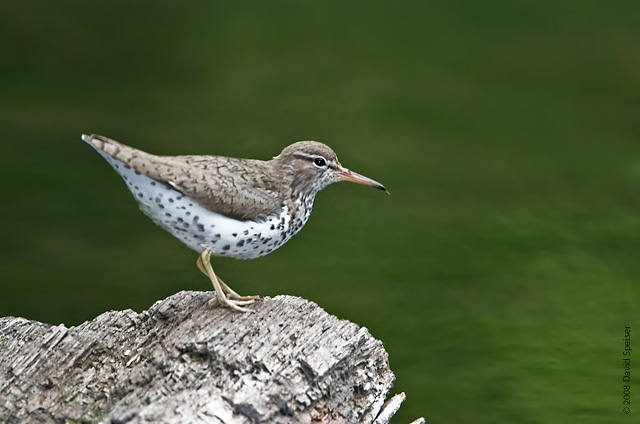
(241, 189)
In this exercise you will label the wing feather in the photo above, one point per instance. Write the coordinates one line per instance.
(242, 189)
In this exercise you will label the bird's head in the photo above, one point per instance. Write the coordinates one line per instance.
(310, 166)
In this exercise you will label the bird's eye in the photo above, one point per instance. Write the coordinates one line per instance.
(320, 162)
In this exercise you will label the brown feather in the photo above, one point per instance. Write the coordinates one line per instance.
(241, 189)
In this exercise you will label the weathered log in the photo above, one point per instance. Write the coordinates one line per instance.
(183, 361)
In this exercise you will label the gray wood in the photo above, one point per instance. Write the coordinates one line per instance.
(183, 361)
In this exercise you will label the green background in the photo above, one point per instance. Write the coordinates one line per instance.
(499, 274)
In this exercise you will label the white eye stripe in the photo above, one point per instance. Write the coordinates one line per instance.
(317, 160)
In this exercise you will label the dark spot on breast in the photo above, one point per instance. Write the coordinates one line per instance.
(167, 214)
(186, 225)
(246, 232)
(126, 166)
(153, 183)
(170, 199)
(217, 235)
(272, 227)
(136, 172)
(180, 220)
(140, 195)
(188, 213)
(234, 234)
(226, 247)
(200, 227)
(240, 243)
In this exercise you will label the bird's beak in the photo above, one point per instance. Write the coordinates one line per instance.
(345, 175)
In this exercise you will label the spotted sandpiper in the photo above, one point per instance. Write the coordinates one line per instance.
(222, 206)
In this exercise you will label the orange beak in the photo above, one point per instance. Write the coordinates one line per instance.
(345, 175)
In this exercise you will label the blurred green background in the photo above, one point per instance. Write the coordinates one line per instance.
(499, 274)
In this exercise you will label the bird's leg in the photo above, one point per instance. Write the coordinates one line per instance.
(204, 265)
(234, 300)
(231, 294)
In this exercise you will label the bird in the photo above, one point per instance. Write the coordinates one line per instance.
(228, 207)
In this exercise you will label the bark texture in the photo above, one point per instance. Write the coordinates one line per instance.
(183, 361)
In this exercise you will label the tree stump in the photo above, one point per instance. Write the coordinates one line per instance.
(183, 361)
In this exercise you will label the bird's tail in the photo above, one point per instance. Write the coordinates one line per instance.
(128, 155)
(110, 147)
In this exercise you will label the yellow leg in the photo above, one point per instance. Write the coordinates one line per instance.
(224, 295)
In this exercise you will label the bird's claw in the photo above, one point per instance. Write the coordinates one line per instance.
(233, 304)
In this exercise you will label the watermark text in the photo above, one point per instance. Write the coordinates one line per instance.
(626, 377)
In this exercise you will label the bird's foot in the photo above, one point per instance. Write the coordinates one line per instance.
(232, 303)
(235, 296)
